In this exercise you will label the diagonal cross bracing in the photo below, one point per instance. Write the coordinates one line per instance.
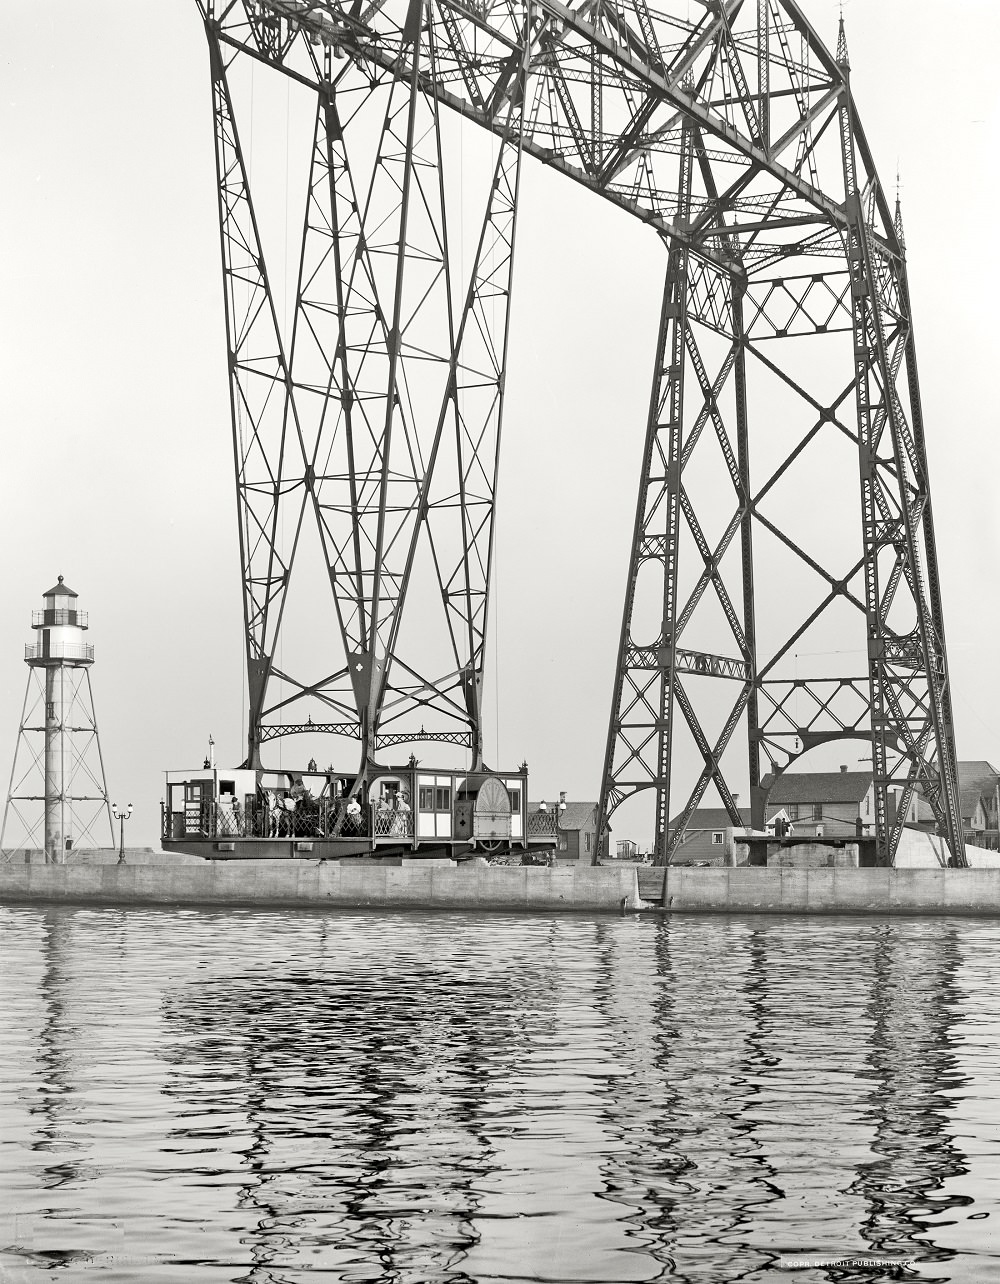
(785, 338)
(377, 419)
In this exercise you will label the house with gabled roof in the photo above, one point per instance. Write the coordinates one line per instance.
(709, 836)
(919, 814)
(973, 816)
(575, 828)
(980, 780)
(824, 804)
(979, 802)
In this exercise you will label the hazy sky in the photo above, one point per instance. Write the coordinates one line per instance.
(118, 459)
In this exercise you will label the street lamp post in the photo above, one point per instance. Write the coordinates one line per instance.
(121, 814)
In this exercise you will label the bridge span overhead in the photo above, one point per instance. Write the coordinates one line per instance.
(785, 439)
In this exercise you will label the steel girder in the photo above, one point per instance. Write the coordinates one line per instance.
(378, 417)
(849, 280)
(911, 714)
(734, 136)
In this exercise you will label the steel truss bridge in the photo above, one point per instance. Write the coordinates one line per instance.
(376, 415)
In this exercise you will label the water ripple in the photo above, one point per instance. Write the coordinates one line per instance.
(275, 1098)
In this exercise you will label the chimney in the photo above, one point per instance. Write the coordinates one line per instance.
(562, 795)
(843, 767)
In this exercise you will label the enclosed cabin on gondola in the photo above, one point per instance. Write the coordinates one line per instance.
(207, 803)
(242, 812)
(478, 809)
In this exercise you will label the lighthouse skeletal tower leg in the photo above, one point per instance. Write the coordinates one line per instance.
(65, 772)
(55, 765)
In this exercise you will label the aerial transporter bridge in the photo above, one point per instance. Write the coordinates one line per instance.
(376, 413)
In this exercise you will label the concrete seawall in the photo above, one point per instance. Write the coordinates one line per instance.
(830, 891)
(269, 884)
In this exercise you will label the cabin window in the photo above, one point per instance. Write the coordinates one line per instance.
(515, 800)
(817, 811)
(442, 798)
(425, 801)
(793, 811)
(716, 837)
(587, 840)
(227, 787)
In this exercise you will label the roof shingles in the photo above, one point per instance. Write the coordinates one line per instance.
(711, 818)
(577, 815)
(817, 787)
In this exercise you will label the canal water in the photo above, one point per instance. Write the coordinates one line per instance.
(281, 1097)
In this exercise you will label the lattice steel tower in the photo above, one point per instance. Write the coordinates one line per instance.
(58, 796)
(784, 511)
(786, 258)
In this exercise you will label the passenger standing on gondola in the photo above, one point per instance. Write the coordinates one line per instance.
(383, 816)
(401, 822)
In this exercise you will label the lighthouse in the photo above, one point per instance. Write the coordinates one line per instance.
(65, 773)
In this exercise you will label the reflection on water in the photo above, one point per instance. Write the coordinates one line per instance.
(367, 1093)
(416, 1098)
(915, 1075)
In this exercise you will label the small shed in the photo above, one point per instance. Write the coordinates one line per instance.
(575, 828)
(709, 836)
